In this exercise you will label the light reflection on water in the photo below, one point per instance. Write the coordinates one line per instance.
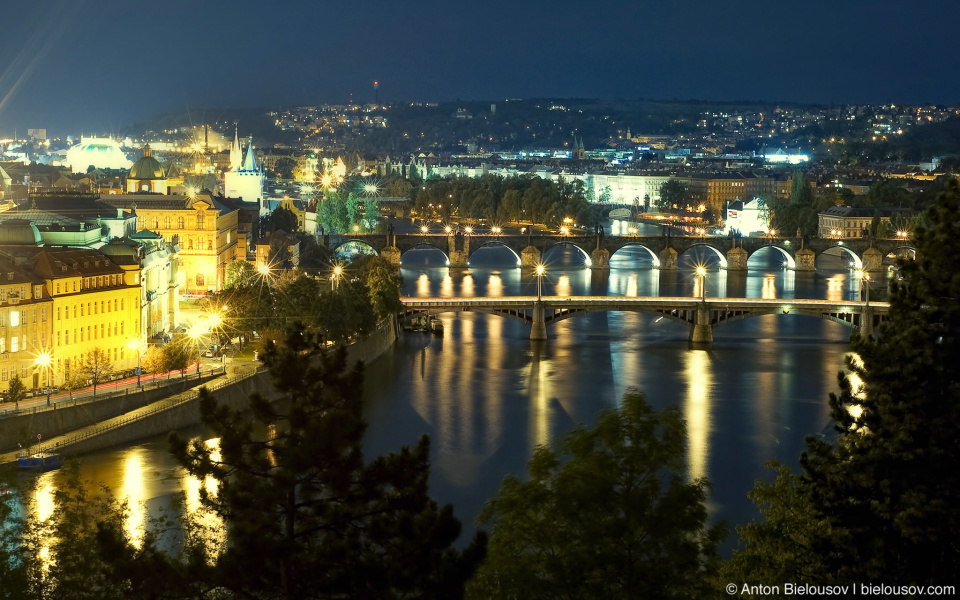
(487, 396)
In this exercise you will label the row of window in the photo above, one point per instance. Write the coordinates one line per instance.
(93, 308)
(200, 221)
(19, 292)
(63, 366)
(16, 318)
(91, 332)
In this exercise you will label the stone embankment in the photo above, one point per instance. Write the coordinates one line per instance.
(145, 418)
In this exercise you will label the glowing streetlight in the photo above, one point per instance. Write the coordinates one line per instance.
(540, 271)
(633, 231)
(864, 282)
(702, 274)
(45, 360)
(564, 230)
(263, 269)
(447, 229)
(423, 230)
(495, 230)
(468, 229)
(356, 229)
(337, 273)
(134, 344)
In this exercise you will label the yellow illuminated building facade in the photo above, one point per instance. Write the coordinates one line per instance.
(204, 230)
(65, 303)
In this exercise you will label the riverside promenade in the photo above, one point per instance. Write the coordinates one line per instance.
(171, 412)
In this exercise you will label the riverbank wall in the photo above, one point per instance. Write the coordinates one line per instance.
(70, 414)
(183, 410)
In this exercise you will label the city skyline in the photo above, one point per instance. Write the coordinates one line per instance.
(99, 66)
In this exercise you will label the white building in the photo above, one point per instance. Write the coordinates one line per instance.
(747, 218)
(244, 181)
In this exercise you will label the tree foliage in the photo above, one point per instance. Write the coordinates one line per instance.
(16, 389)
(306, 515)
(878, 502)
(673, 196)
(605, 515)
(96, 367)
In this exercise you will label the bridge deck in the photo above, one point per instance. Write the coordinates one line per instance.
(638, 302)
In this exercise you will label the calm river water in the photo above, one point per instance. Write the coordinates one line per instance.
(487, 395)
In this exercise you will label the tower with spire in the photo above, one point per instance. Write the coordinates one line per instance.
(236, 154)
(245, 178)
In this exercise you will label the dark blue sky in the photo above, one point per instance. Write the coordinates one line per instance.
(98, 65)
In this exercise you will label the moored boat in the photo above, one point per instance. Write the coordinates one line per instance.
(40, 461)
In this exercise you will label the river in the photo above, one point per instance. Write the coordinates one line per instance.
(487, 395)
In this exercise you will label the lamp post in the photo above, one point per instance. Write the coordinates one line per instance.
(702, 274)
(864, 278)
(45, 360)
(540, 272)
(337, 273)
(134, 344)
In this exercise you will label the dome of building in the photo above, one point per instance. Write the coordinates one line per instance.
(102, 153)
(20, 231)
(121, 252)
(147, 168)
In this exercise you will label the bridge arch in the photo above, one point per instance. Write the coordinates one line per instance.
(427, 246)
(354, 242)
(497, 244)
(563, 243)
(789, 261)
(720, 255)
(653, 255)
(856, 258)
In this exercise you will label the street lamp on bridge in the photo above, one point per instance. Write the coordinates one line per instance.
(702, 275)
(540, 271)
(864, 282)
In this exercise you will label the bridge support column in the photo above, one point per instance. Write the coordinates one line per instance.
(668, 259)
(872, 260)
(459, 259)
(806, 260)
(600, 259)
(737, 259)
(866, 322)
(539, 329)
(701, 332)
(392, 254)
(529, 257)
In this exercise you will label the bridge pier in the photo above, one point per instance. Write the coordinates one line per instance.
(806, 260)
(600, 258)
(668, 259)
(872, 260)
(392, 254)
(737, 259)
(866, 323)
(701, 332)
(539, 329)
(529, 257)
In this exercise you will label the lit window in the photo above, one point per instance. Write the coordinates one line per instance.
(14, 318)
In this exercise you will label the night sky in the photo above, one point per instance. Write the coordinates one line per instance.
(99, 65)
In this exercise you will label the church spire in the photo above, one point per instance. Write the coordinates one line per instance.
(236, 154)
(250, 162)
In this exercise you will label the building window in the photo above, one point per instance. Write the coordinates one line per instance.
(209, 244)
(58, 313)
(200, 220)
(3, 347)
(14, 344)
(190, 244)
(156, 222)
(199, 279)
(43, 314)
(181, 222)
(58, 338)
(166, 222)
(14, 318)
(121, 303)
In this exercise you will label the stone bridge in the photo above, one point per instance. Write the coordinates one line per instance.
(700, 315)
(664, 250)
